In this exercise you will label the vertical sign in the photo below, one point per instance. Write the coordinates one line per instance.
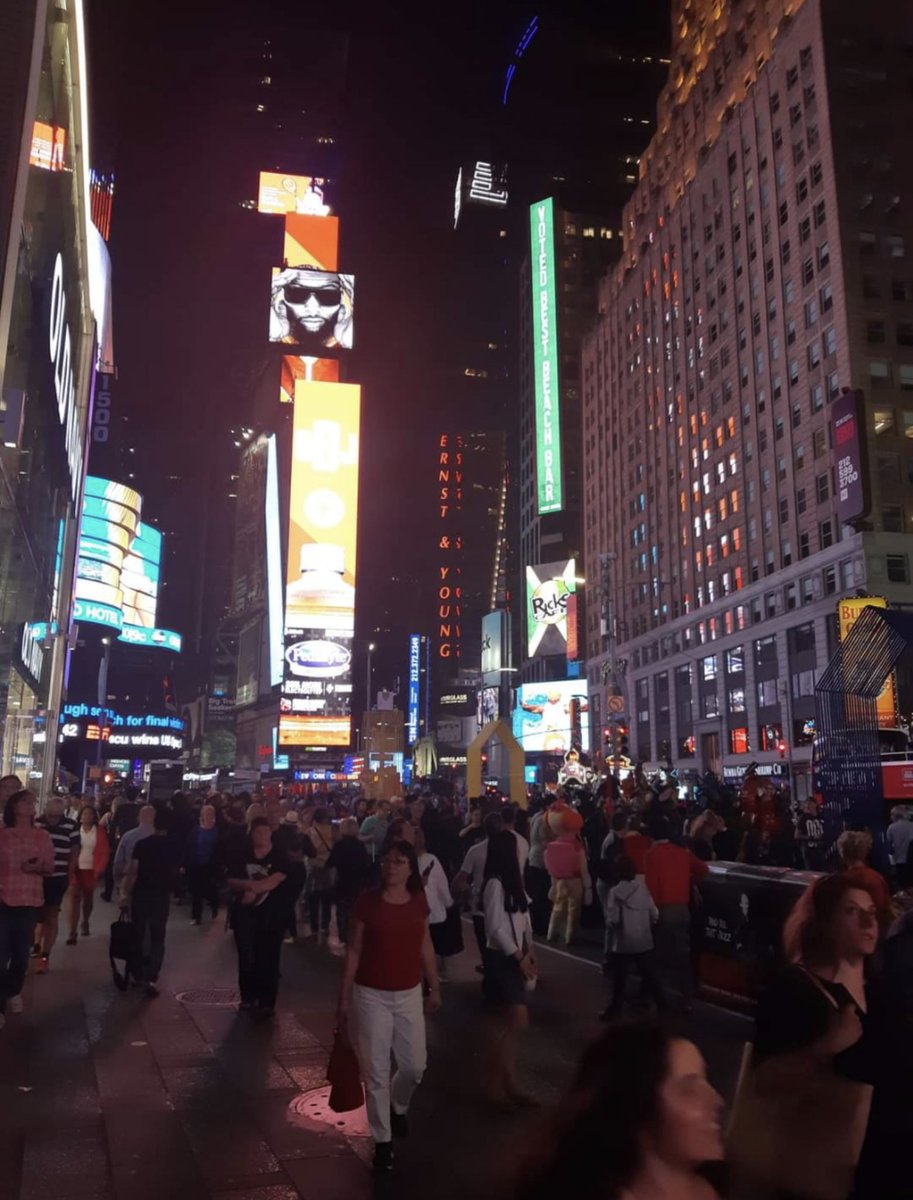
(549, 483)
(450, 547)
(316, 696)
(415, 665)
(848, 429)
(848, 612)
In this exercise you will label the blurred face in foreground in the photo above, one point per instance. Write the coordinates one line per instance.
(689, 1124)
(855, 925)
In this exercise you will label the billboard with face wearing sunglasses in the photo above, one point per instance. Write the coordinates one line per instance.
(311, 309)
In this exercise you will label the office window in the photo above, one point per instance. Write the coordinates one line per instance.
(826, 534)
(709, 667)
(822, 487)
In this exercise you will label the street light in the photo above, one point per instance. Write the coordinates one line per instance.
(368, 705)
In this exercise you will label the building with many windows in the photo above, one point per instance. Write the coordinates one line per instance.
(766, 270)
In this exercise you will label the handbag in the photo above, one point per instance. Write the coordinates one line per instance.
(344, 1074)
(529, 981)
(805, 1142)
(121, 945)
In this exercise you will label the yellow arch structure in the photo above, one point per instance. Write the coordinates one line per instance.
(499, 731)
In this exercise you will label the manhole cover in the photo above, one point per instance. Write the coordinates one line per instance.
(314, 1107)
(210, 997)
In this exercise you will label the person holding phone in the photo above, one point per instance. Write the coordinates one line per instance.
(26, 858)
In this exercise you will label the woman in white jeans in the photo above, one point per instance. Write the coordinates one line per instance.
(389, 952)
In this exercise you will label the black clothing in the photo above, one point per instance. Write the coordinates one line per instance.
(259, 952)
(150, 918)
(270, 910)
(351, 861)
(125, 819)
(203, 880)
(650, 984)
(157, 859)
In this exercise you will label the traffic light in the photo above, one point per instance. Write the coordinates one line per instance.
(607, 737)
(623, 747)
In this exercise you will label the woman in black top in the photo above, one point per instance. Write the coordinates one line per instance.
(829, 1007)
(259, 914)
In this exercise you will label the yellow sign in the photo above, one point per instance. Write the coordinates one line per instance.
(848, 612)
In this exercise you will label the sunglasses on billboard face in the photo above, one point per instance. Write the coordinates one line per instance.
(299, 293)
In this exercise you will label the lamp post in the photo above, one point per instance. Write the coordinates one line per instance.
(102, 703)
(368, 705)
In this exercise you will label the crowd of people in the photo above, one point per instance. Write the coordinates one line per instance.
(393, 880)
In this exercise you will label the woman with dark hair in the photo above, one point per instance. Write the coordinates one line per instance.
(320, 879)
(827, 1018)
(26, 857)
(91, 861)
(389, 951)
(510, 966)
(641, 1123)
(258, 917)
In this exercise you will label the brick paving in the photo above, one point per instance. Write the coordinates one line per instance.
(105, 1096)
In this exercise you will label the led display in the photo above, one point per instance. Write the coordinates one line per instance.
(547, 719)
(49, 145)
(312, 242)
(316, 693)
(549, 587)
(849, 609)
(309, 370)
(412, 709)
(311, 309)
(549, 481)
(282, 194)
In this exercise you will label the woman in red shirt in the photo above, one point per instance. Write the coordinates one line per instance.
(389, 952)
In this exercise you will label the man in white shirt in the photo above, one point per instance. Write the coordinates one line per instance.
(509, 817)
(471, 875)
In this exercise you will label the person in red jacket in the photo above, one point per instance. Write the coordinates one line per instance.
(90, 866)
(671, 872)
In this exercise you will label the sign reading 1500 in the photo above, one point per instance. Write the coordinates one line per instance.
(549, 483)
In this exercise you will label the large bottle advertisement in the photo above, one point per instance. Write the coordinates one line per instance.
(315, 708)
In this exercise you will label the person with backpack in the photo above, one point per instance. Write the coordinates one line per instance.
(630, 916)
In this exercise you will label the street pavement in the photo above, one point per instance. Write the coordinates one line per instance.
(105, 1096)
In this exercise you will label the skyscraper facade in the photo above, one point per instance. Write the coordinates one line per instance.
(764, 273)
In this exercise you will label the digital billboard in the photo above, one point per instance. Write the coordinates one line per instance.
(549, 479)
(415, 672)
(49, 147)
(315, 702)
(141, 576)
(311, 242)
(549, 588)
(848, 430)
(849, 609)
(308, 370)
(282, 194)
(311, 309)
(548, 717)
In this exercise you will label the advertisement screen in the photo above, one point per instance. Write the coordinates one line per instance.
(140, 577)
(549, 481)
(415, 670)
(49, 146)
(315, 704)
(283, 194)
(848, 433)
(312, 242)
(311, 309)
(308, 370)
(849, 610)
(549, 587)
(548, 718)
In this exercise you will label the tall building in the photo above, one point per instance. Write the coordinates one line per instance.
(568, 253)
(764, 274)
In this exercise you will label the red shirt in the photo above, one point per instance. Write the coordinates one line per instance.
(635, 847)
(670, 871)
(391, 949)
(18, 888)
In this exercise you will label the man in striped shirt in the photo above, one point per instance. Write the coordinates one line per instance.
(64, 834)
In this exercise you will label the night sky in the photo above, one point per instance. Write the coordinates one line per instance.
(422, 95)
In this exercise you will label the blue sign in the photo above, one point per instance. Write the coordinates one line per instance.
(415, 658)
(98, 614)
(164, 639)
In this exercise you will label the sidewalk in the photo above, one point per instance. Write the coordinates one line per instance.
(105, 1096)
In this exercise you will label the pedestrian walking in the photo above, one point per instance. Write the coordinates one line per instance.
(510, 970)
(65, 838)
(900, 838)
(351, 864)
(259, 917)
(630, 915)
(389, 953)
(202, 865)
(373, 831)
(26, 859)
(471, 877)
(147, 890)
(537, 877)
(144, 828)
(642, 1122)
(90, 868)
(566, 862)
(318, 889)
(440, 903)
(670, 873)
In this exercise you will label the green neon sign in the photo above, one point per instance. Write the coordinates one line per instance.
(549, 480)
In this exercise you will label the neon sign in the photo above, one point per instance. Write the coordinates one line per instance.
(549, 482)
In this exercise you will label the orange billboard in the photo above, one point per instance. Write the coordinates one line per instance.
(311, 242)
(315, 703)
(848, 612)
(49, 144)
(308, 370)
(282, 194)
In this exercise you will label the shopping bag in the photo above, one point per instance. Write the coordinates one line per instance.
(344, 1075)
(121, 946)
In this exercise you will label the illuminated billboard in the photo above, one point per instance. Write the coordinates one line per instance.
(49, 147)
(415, 671)
(311, 309)
(118, 570)
(315, 703)
(849, 609)
(311, 242)
(549, 588)
(548, 717)
(282, 194)
(306, 369)
(549, 480)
